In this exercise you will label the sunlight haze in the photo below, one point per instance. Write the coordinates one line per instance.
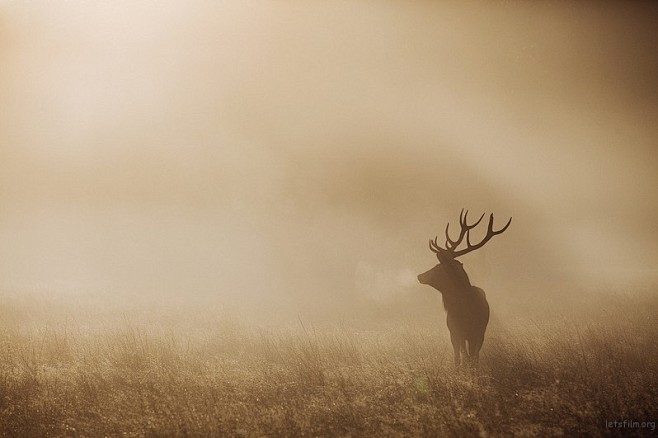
(300, 155)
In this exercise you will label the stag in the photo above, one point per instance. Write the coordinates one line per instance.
(466, 305)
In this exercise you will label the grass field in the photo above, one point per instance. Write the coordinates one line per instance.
(552, 377)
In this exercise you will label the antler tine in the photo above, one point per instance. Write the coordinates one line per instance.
(434, 247)
(450, 244)
(476, 223)
(493, 233)
(490, 234)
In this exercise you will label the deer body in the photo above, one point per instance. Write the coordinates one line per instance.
(466, 305)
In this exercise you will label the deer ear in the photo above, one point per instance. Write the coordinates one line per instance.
(444, 256)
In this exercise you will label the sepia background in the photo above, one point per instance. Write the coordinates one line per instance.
(291, 159)
(213, 213)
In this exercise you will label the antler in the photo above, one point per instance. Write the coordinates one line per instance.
(451, 245)
(463, 216)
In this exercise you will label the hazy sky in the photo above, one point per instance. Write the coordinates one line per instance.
(258, 151)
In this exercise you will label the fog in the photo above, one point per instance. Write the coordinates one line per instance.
(294, 158)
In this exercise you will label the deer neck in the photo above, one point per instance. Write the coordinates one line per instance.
(458, 288)
(459, 278)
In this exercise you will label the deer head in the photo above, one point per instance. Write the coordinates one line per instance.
(449, 274)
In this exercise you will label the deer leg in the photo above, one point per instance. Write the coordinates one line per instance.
(474, 351)
(464, 352)
(457, 345)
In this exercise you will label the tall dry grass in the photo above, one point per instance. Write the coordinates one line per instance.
(553, 377)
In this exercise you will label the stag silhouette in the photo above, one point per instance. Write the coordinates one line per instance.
(465, 304)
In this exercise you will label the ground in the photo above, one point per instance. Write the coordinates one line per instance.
(553, 377)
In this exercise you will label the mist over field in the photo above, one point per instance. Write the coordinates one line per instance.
(224, 166)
